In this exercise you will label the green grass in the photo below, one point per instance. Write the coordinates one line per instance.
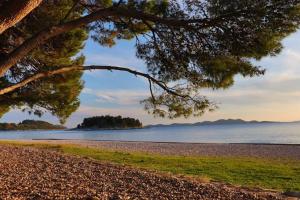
(252, 172)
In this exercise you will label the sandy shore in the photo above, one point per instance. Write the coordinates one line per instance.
(28, 173)
(194, 149)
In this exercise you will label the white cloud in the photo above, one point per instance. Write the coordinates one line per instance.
(285, 66)
(120, 97)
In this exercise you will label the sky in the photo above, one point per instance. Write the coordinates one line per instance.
(274, 96)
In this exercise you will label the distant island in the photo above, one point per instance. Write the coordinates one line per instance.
(109, 122)
(30, 125)
(218, 122)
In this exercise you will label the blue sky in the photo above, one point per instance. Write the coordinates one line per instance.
(275, 96)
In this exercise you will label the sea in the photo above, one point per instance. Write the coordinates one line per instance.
(266, 133)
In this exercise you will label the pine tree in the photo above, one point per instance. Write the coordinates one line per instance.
(186, 45)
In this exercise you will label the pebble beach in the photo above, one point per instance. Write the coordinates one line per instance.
(29, 173)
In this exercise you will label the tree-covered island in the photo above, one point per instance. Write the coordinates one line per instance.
(109, 122)
(30, 125)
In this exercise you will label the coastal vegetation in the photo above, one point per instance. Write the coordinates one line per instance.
(30, 125)
(279, 174)
(109, 122)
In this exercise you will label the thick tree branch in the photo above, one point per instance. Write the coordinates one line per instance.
(41, 75)
(44, 35)
(14, 11)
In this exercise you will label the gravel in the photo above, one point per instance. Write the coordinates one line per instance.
(195, 149)
(28, 173)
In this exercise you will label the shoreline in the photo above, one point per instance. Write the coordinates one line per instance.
(144, 141)
(256, 150)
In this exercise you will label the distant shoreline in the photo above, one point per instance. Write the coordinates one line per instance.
(204, 123)
(32, 130)
(221, 122)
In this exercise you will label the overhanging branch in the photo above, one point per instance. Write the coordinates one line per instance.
(63, 70)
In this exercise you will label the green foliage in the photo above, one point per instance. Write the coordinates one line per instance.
(30, 125)
(204, 54)
(4, 109)
(57, 94)
(106, 32)
(225, 48)
(110, 122)
(173, 106)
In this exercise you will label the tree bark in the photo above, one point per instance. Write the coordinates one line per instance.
(14, 11)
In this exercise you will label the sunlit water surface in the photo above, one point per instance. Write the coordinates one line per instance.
(280, 133)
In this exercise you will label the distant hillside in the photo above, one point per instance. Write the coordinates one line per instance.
(218, 122)
(109, 122)
(30, 125)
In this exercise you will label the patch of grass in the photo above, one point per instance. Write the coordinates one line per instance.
(254, 172)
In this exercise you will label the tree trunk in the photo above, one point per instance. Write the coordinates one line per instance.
(14, 11)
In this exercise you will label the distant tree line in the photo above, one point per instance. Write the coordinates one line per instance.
(110, 122)
(30, 125)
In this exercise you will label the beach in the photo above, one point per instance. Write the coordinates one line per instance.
(278, 151)
(28, 173)
(80, 169)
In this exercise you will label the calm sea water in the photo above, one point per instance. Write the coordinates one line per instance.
(281, 133)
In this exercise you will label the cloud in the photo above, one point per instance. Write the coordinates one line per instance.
(258, 93)
(285, 66)
(120, 97)
(280, 85)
